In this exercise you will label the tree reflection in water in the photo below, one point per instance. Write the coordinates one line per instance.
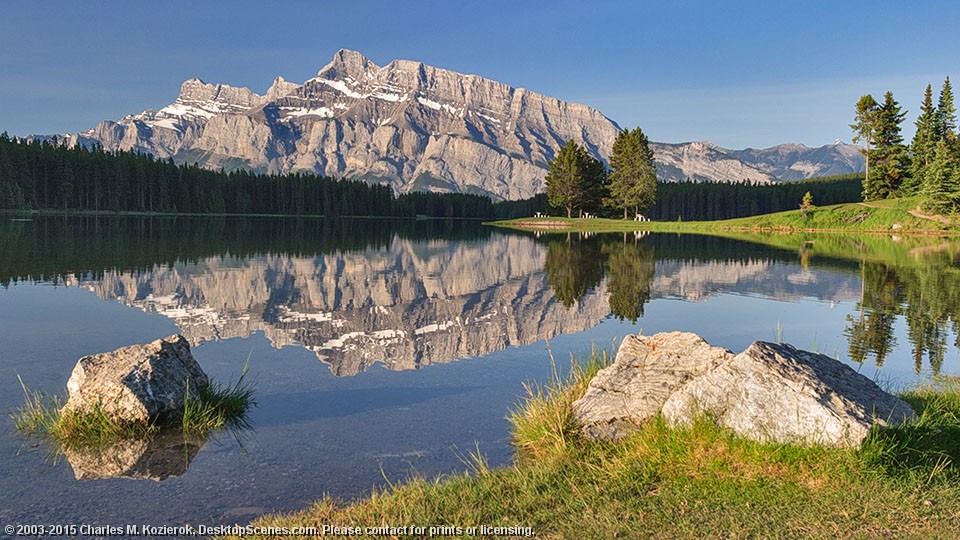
(926, 294)
(578, 262)
(921, 285)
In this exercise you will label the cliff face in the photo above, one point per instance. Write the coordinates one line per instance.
(417, 127)
(407, 124)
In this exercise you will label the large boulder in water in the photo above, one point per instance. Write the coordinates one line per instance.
(140, 383)
(769, 392)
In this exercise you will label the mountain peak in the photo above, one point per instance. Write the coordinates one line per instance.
(280, 88)
(213, 98)
(346, 63)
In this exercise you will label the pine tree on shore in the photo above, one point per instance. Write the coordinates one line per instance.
(633, 179)
(889, 155)
(941, 187)
(946, 113)
(864, 129)
(575, 180)
(924, 143)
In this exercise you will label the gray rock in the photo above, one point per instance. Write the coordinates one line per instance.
(646, 372)
(139, 383)
(774, 392)
(769, 392)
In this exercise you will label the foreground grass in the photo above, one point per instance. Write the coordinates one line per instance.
(696, 482)
(899, 216)
(42, 415)
(218, 407)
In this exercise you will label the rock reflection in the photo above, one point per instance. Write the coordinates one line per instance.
(157, 458)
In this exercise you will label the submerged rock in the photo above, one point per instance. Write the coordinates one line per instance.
(154, 458)
(140, 383)
(769, 392)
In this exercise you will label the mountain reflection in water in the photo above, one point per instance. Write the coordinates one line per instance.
(411, 294)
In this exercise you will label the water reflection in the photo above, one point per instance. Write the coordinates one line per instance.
(574, 267)
(925, 292)
(576, 264)
(919, 284)
(157, 458)
(411, 294)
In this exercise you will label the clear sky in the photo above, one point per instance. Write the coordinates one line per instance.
(739, 74)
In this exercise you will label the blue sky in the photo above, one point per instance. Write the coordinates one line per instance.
(739, 74)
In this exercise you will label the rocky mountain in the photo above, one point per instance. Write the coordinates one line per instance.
(787, 162)
(418, 127)
(707, 162)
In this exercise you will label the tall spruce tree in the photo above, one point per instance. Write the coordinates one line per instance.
(924, 143)
(594, 183)
(633, 179)
(563, 181)
(941, 186)
(864, 128)
(888, 156)
(946, 113)
(575, 180)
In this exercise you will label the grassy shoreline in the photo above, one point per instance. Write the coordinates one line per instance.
(695, 482)
(893, 216)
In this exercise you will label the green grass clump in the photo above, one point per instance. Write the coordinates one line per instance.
(42, 414)
(699, 481)
(927, 449)
(543, 424)
(217, 407)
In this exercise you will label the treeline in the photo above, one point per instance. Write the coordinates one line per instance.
(52, 247)
(706, 201)
(44, 175)
(48, 176)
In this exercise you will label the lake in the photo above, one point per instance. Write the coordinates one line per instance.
(380, 349)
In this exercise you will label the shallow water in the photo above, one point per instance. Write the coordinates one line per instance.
(380, 350)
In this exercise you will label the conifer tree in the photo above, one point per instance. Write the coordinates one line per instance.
(941, 187)
(864, 128)
(563, 180)
(633, 179)
(806, 204)
(924, 143)
(889, 155)
(594, 183)
(946, 113)
(575, 179)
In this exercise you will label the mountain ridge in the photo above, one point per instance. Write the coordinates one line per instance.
(419, 127)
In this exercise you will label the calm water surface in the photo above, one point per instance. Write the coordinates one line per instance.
(380, 350)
